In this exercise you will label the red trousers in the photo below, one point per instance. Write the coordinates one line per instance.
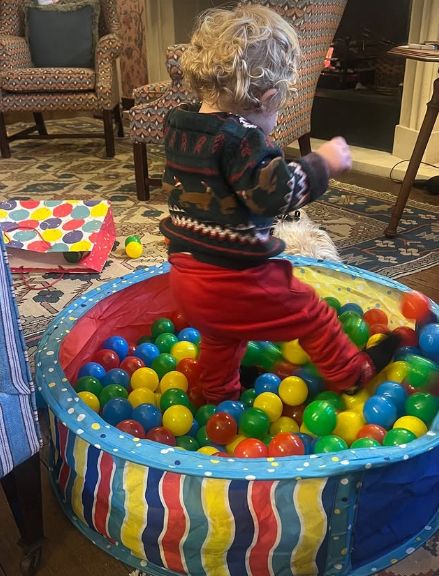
(231, 307)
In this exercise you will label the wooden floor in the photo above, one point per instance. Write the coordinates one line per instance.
(66, 551)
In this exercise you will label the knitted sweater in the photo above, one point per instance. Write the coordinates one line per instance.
(227, 182)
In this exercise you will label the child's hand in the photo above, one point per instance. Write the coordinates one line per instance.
(337, 155)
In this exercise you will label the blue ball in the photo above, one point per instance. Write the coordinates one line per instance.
(351, 307)
(395, 393)
(381, 411)
(116, 410)
(231, 407)
(404, 351)
(194, 429)
(267, 382)
(429, 341)
(118, 344)
(92, 369)
(308, 442)
(116, 376)
(148, 415)
(147, 352)
(190, 335)
(315, 383)
(429, 318)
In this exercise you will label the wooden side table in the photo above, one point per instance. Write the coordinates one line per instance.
(422, 140)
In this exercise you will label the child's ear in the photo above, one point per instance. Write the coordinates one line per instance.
(267, 96)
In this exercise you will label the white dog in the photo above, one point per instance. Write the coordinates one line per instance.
(303, 237)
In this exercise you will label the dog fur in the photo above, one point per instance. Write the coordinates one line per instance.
(303, 237)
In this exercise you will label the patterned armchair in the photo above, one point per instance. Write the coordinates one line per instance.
(24, 87)
(316, 22)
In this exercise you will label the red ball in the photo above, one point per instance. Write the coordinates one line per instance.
(375, 316)
(221, 454)
(106, 358)
(196, 396)
(191, 369)
(378, 329)
(251, 448)
(294, 412)
(408, 336)
(286, 444)
(372, 431)
(161, 434)
(179, 320)
(132, 427)
(131, 349)
(131, 363)
(414, 305)
(221, 428)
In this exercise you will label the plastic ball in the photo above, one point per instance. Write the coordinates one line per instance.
(413, 424)
(194, 429)
(329, 443)
(333, 302)
(196, 396)
(131, 363)
(88, 384)
(307, 441)
(375, 316)
(118, 344)
(230, 447)
(141, 396)
(116, 376)
(202, 437)
(293, 352)
(187, 443)
(161, 434)
(380, 329)
(254, 423)
(106, 358)
(92, 369)
(375, 338)
(430, 318)
(131, 427)
(134, 250)
(294, 412)
(356, 329)
(162, 325)
(283, 369)
(251, 355)
(132, 238)
(221, 428)
(270, 403)
(320, 417)
(144, 378)
(172, 397)
(351, 307)
(420, 370)
(404, 351)
(293, 390)
(284, 424)
(204, 413)
(429, 341)
(184, 349)
(267, 382)
(422, 405)
(190, 335)
(116, 410)
(163, 363)
(269, 354)
(248, 397)
(147, 352)
(165, 341)
(148, 415)
(314, 382)
(414, 305)
(365, 443)
(349, 423)
(173, 379)
(286, 444)
(231, 407)
(90, 399)
(407, 335)
(112, 391)
(304, 430)
(251, 448)
(381, 411)
(333, 398)
(179, 320)
(178, 419)
(191, 369)
(394, 392)
(398, 436)
(207, 450)
(373, 431)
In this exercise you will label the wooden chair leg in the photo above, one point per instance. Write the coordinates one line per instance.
(141, 170)
(305, 144)
(107, 116)
(39, 123)
(4, 143)
(119, 120)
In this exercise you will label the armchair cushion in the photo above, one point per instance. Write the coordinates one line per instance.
(63, 35)
(48, 80)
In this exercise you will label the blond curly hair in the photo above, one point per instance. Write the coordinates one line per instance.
(237, 55)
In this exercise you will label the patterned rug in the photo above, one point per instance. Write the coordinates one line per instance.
(78, 169)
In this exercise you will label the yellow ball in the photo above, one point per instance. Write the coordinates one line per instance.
(397, 371)
(91, 400)
(412, 423)
(230, 447)
(348, 425)
(173, 379)
(134, 249)
(144, 378)
(374, 339)
(293, 390)
(157, 397)
(209, 450)
(178, 419)
(284, 424)
(294, 353)
(270, 403)
(141, 396)
(184, 349)
(356, 402)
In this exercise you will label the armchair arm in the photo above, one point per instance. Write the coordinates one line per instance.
(149, 92)
(173, 61)
(108, 49)
(14, 53)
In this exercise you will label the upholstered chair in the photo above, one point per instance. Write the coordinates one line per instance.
(25, 87)
(316, 22)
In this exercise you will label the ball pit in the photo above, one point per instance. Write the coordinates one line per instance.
(170, 511)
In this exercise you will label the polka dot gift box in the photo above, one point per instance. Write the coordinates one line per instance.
(57, 235)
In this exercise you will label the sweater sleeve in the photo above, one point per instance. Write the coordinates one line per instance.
(269, 186)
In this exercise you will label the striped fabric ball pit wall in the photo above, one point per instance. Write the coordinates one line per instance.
(170, 512)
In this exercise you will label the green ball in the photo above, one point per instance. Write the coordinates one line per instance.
(163, 364)
(202, 437)
(112, 391)
(365, 443)
(333, 302)
(254, 423)
(165, 341)
(267, 438)
(89, 384)
(203, 413)
(173, 397)
(187, 442)
(133, 238)
(329, 443)
(398, 436)
(333, 398)
(421, 370)
(320, 417)
(162, 325)
(74, 257)
(355, 328)
(143, 339)
(251, 354)
(248, 397)
(422, 405)
(268, 355)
